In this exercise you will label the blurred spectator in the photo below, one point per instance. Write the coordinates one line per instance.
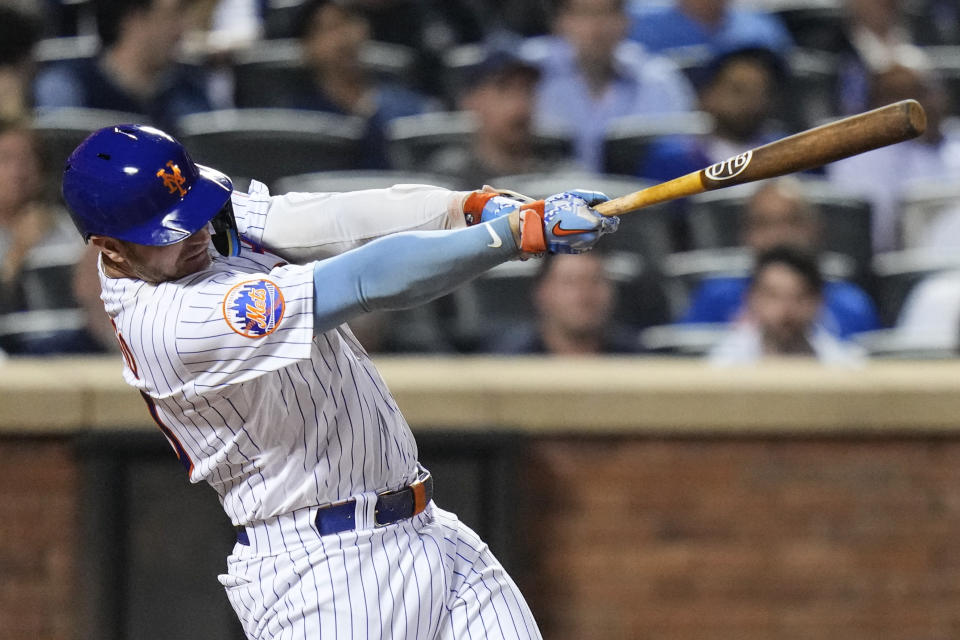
(426, 28)
(426, 25)
(136, 69)
(936, 22)
(38, 247)
(930, 316)
(19, 33)
(332, 34)
(28, 224)
(739, 90)
(230, 24)
(877, 39)
(942, 234)
(411, 331)
(574, 297)
(783, 303)
(697, 30)
(524, 17)
(592, 74)
(881, 175)
(778, 214)
(217, 31)
(500, 95)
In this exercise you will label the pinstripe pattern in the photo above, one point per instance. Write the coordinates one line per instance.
(225, 396)
(427, 577)
(284, 422)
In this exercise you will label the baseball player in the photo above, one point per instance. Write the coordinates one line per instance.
(243, 358)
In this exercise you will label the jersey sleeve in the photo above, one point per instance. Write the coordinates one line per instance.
(301, 227)
(234, 327)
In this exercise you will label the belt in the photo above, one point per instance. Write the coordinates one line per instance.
(391, 506)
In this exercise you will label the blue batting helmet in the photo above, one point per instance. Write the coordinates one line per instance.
(136, 183)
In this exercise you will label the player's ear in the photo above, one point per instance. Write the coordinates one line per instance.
(111, 248)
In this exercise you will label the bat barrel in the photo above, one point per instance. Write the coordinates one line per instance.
(805, 150)
(821, 145)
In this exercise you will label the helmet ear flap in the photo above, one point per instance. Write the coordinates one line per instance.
(226, 238)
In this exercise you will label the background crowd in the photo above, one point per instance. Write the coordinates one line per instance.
(854, 260)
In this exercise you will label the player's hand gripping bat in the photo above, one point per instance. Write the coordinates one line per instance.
(811, 148)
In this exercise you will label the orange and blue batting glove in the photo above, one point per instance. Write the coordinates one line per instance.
(569, 223)
(563, 223)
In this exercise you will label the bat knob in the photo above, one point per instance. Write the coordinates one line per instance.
(916, 117)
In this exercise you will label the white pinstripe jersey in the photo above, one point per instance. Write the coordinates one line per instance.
(272, 417)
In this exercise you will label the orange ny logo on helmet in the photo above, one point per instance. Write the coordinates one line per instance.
(173, 181)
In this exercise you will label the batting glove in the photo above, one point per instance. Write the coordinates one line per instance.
(569, 223)
(491, 203)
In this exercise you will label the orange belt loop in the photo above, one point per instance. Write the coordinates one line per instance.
(419, 497)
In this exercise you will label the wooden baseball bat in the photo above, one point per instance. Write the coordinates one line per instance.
(811, 148)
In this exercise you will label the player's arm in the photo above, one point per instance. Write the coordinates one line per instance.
(408, 269)
(272, 318)
(301, 227)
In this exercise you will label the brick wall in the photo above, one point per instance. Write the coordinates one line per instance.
(744, 539)
(38, 530)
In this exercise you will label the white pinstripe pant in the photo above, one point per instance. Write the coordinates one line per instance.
(426, 577)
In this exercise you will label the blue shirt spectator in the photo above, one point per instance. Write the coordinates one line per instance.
(783, 303)
(779, 215)
(591, 75)
(847, 309)
(697, 30)
(640, 84)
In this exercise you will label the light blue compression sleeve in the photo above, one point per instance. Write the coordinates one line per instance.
(405, 270)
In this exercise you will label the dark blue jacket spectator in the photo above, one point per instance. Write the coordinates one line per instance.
(179, 91)
(573, 299)
(739, 89)
(388, 101)
(135, 70)
(335, 80)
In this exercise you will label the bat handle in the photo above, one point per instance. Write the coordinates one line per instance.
(681, 187)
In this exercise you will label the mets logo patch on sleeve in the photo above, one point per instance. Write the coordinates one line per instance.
(254, 308)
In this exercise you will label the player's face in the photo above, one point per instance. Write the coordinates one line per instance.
(158, 264)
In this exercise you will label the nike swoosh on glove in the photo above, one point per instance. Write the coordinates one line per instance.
(570, 223)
